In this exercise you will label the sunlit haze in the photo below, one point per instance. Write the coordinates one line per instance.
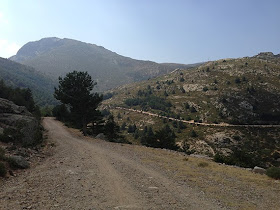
(182, 31)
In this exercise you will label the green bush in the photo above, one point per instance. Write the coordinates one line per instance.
(5, 138)
(2, 154)
(3, 170)
(237, 80)
(240, 158)
(192, 109)
(205, 89)
(273, 172)
(193, 134)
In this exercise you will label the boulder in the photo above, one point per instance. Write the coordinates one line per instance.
(19, 121)
(259, 170)
(7, 106)
(18, 162)
(101, 136)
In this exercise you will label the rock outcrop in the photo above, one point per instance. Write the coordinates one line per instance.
(259, 170)
(266, 55)
(19, 124)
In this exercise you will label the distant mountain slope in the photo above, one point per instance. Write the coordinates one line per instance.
(245, 90)
(18, 75)
(56, 57)
(228, 91)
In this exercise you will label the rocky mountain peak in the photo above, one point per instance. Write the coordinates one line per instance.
(266, 55)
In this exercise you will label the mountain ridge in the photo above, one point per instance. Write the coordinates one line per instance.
(56, 57)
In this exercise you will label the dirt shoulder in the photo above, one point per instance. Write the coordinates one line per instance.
(86, 173)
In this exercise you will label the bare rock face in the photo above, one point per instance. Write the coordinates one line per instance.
(8, 107)
(21, 124)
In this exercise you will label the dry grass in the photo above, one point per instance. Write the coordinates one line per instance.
(234, 187)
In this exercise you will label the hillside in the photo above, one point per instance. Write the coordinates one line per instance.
(21, 76)
(56, 57)
(240, 91)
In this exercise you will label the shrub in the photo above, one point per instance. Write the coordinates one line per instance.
(237, 80)
(153, 102)
(136, 134)
(5, 138)
(236, 137)
(108, 96)
(273, 172)
(131, 128)
(205, 89)
(203, 164)
(276, 155)
(187, 106)
(221, 158)
(3, 170)
(123, 126)
(193, 110)
(193, 134)
(2, 154)
(185, 159)
(240, 158)
(182, 125)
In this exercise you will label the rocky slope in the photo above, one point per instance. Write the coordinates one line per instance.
(231, 91)
(17, 125)
(56, 57)
(20, 135)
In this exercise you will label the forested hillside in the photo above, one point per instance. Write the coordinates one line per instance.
(21, 76)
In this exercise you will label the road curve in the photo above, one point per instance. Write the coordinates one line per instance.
(89, 173)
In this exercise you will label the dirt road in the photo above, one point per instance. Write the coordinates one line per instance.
(86, 173)
(197, 123)
(94, 174)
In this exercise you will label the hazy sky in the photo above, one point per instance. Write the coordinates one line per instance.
(182, 31)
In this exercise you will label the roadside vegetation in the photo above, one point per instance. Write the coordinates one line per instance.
(79, 107)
